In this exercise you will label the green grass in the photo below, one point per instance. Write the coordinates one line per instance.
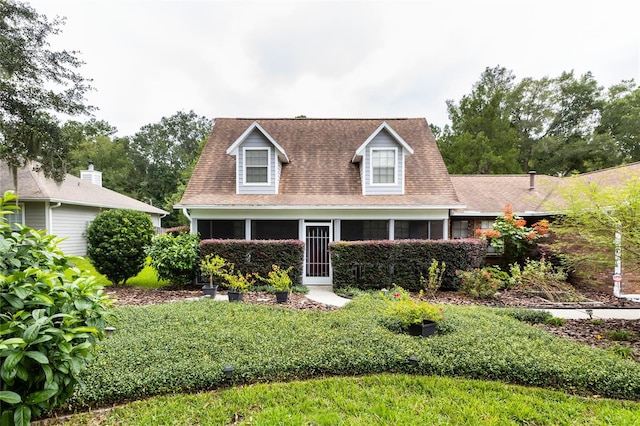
(147, 278)
(382, 399)
(183, 346)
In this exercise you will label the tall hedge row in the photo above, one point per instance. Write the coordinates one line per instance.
(379, 264)
(258, 255)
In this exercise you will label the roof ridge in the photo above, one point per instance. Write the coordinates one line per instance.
(318, 119)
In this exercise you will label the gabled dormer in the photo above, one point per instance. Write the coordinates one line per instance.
(259, 160)
(381, 159)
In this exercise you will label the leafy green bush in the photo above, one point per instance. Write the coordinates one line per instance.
(117, 240)
(402, 310)
(479, 283)
(175, 257)
(431, 284)
(51, 316)
(531, 316)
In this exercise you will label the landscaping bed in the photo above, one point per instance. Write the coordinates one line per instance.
(598, 333)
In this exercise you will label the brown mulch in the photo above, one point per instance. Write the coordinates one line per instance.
(591, 332)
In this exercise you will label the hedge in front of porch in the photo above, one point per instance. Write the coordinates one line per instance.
(373, 265)
(257, 256)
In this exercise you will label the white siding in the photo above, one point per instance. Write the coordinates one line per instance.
(70, 222)
(34, 214)
(381, 141)
(257, 140)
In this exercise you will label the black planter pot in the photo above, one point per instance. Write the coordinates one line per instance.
(235, 296)
(426, 329)
(210, 291)
(282, 296)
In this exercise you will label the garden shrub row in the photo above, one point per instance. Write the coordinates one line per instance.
(258, 256)
(379, 264)
(183, 347)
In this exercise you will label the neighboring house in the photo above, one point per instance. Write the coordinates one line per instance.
(320, 180)
(485, 197)
(66, 209)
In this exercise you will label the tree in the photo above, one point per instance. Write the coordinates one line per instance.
(592, 213)
(162, 152)
(117, 240)
(93, 141)
(35, 84)
(621, 119)
(481, 138)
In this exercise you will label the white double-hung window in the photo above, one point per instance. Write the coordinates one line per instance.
(383, 166)
(256, 165)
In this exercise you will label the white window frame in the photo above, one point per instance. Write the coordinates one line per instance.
(244, 171)
(395, 167)
(16, 214)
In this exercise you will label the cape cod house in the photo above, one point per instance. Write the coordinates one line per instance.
(67, 208)
(320, 180)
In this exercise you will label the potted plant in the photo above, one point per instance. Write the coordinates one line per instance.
(212, 266)
(279, 279)
(237, 284)
(418, 318)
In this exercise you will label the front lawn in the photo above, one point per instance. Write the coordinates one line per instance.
(389, 399)
(183, 347)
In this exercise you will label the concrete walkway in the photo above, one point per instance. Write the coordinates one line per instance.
(324, 294)
(596, 313)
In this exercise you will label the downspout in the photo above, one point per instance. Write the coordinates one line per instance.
(50, 217)
(185, 213)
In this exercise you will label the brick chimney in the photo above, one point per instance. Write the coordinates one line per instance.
(91, 175)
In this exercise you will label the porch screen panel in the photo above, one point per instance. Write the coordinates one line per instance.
(274, 230)
(317, 251)
(221, 229)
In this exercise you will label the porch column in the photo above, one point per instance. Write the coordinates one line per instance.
(247, 229)
(392, 229)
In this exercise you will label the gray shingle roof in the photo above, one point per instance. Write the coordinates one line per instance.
(33, 186)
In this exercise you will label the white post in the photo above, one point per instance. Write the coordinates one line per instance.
(617, 271)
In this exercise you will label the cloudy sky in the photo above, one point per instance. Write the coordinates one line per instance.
(150, 58)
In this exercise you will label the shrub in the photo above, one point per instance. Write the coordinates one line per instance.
(402, 310)
(432, 283)
(620, 335)
(259, 255)
(556, 321)
(479, 283)
(541, 277)
(373, 265)
(531, 316)
(511, 237)
(117, 240)
(51, 316)
(278, 278)
(175, 257)
(212, 267)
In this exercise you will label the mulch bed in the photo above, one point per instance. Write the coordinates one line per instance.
(586, 331)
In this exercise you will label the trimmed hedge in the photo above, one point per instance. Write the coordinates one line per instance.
(373, 265)
(258, 255)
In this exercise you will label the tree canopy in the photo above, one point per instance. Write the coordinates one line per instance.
(556, 126)
(36, 83)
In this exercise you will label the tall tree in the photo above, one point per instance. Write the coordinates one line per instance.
(621, 119)
(35, 84)
(162, 152)
(481, 138)
(94, 141)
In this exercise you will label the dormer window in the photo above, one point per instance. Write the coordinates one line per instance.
(256, 165)
(383, 166)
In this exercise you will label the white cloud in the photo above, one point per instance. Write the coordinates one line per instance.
(150, 59)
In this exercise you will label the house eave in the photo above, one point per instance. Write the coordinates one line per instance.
(55, 200)
(315, 207)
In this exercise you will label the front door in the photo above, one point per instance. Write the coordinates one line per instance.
(317, 265)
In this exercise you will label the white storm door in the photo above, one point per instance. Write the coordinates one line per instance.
(317, 265)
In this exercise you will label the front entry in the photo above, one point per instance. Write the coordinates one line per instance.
(317, 265)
